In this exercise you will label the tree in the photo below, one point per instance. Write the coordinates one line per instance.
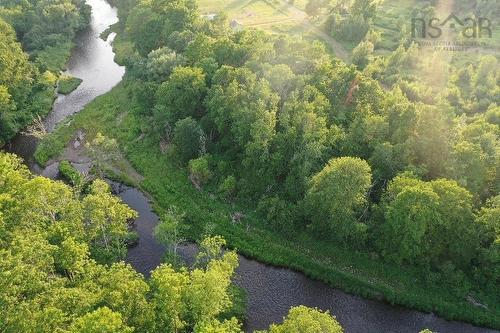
(211, 248)
(408, 219)
(102, 320)
(429, 144)
(71, 257)
(103, 151)
(489, 220)
(161, 63)
(428, 222)
(168, 288)
(15, 82)
(183, 93)
(215, 326)
(106, 222)
(243, 110)
(188, 139)
(335, 196)
(365, 8)
(184, 300)
(301, 146)
(151, 23)
(302, 319)
(208, 295)
(199, 170)
(124, 291)
(313, 7)
(228, 187)
(362, 53)
(168, 231)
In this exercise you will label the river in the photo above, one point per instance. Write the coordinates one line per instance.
(270, 291)
(92, 61)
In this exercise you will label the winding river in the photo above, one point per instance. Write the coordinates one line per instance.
(271, 291)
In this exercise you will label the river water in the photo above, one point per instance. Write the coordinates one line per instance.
(270, 291)
(92, 61)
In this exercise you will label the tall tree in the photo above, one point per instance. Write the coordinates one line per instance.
(336, 196)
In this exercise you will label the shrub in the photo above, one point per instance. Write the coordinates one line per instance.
(228, 187)
(199, 169)
(69, 174)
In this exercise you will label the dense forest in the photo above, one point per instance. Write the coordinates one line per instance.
(35, 43)
(394, 157)
(59, 268)
(324, 148)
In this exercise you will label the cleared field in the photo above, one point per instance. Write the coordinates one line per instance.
(250, 12)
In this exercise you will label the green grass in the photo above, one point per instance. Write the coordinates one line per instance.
(67, 84)
(249, 13)
(357, 273)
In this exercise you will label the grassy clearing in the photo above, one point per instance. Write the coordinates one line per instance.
(249, 13)
(168, 184)
(68, 84)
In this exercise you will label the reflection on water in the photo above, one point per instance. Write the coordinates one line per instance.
(272, 291)
(92, 61)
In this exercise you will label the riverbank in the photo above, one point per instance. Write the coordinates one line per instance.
(168, 184)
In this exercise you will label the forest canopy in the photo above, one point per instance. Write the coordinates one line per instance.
(362, 155)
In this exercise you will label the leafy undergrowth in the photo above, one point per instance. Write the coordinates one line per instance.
(168, 184)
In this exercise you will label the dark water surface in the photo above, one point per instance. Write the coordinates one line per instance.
(271, 291)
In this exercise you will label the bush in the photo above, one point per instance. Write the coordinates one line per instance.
(199, 169)
(362, 53)
(187, 139)
(69, 174)
(228, 187)
(279, 213)
(352, 28)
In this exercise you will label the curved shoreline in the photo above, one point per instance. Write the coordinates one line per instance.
(272, 288)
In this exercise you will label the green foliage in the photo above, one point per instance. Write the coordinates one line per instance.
(50, 241)
(488, 218)
(182, 299)
(70, 174)
(106, 223)
(183, 93)
(188, 139)
(228, 187)
(150, 24)
(168, 232)
(102, 151)
(101, 320)
(336, 196)
(275, 110)
(362, 53)
(301, 319)
(68, 84)
(428, 222)
(45, 30)
(356, 272)
(352, 28)
(200, 170)
(161, 63)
